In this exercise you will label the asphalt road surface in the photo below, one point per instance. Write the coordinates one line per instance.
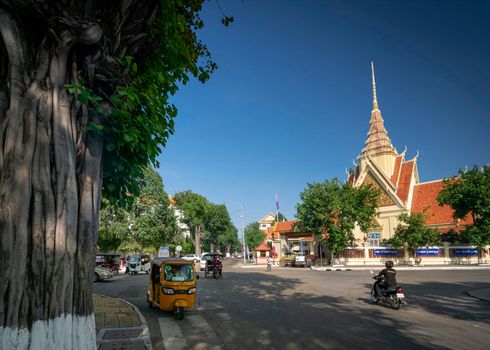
(299, 308)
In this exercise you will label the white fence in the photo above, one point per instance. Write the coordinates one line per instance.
(441, 255)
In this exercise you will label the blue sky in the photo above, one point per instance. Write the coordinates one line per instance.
(291, 100)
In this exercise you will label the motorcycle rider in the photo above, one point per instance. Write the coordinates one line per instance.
(217, 263)
(389, 279)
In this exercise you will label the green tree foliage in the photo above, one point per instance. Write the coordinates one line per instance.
(194, 208)
(187, 246)
(228, 242)
(203, 217)
(148, 224)
(468, 193)
(332, 210)
(412, 232)
(217, 223)
(113, 227)
(153, 221)
(140, 118)
(254, 236)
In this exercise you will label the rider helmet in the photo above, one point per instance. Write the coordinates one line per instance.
(389, 263)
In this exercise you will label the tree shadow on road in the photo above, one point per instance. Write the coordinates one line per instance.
(434, 297)
(288, 312)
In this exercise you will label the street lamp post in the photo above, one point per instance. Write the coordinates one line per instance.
(242, 217)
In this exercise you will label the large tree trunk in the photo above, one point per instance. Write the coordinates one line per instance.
(197, 240)
(49, 190)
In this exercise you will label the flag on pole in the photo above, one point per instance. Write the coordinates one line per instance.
(277, 202)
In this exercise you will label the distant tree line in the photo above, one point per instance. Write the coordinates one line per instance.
(149, 222)
(210, 224)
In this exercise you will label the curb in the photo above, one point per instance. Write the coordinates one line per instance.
(258, 266)
(144, 336)
(368, 268)
(144, 325)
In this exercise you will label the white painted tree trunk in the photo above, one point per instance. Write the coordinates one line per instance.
(49, 194)
(64, 332)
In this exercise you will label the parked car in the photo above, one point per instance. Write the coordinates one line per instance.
(192, 257)
(101, 273)
(299, 260)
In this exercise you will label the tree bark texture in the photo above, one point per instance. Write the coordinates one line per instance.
(50, 165)
(197, 240)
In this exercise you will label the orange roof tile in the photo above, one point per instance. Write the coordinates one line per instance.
(284, 226)
(424, 197)
(404, 180)
(262, 247)
(396, 170)
(351, 179)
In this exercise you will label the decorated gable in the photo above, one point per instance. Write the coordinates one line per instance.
(269, 218)
(384, 198)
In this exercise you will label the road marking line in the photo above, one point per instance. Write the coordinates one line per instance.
(205, 330)
(173, 339)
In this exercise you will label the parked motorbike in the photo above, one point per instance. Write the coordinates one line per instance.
(393, 296)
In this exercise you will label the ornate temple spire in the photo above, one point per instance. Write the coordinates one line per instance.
(378, 142)
(375, 100)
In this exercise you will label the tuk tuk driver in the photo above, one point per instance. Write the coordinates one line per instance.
(170, 272)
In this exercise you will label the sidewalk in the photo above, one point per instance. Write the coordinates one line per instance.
(402, 267)
(373, 267)
(119, 325)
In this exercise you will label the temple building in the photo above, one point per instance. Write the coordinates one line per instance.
(397, 179)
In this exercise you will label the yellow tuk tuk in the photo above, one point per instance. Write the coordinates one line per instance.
(172, 285)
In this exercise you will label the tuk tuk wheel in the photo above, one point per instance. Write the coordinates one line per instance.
(179, 313)
(150, 304)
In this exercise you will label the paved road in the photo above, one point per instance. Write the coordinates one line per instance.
(303, 309)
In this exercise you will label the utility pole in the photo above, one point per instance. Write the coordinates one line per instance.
(242, 218)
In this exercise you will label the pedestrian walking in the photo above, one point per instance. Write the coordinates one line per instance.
(269, 263)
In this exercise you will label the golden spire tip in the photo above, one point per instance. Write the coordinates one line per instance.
(375, 100)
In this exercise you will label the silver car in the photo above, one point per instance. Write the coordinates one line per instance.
(192, 257)
(101, 273)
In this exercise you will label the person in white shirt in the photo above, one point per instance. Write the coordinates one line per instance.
(269, 263)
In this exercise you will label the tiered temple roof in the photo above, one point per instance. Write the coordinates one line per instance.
(378, 141)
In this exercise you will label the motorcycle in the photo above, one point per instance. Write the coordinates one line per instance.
(393, 296)
(217, 272)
